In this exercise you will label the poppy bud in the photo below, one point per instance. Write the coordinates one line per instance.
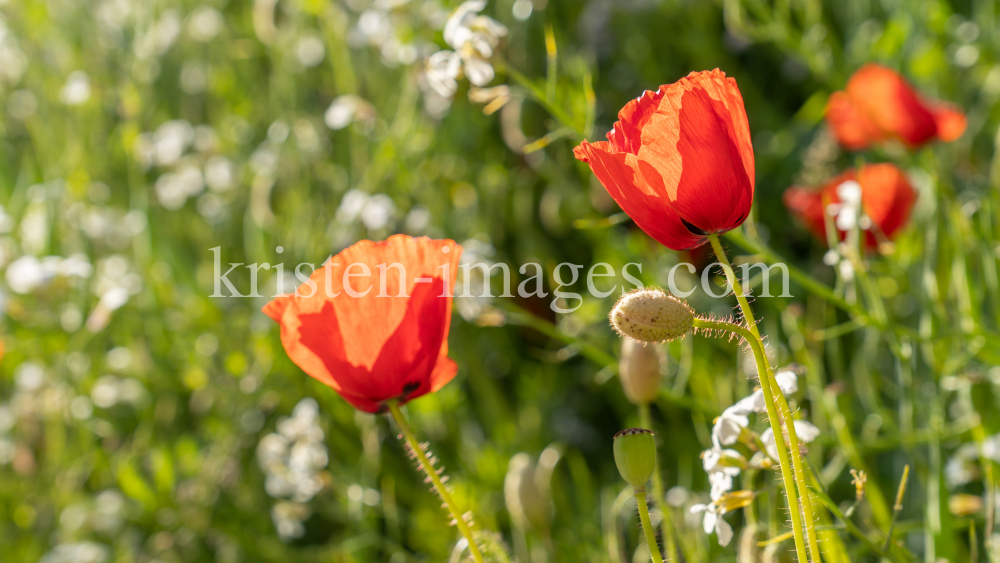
(526, 504)
(635, 455)
(640, 371)
(651, 315)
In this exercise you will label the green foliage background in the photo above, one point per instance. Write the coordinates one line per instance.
(907, 390)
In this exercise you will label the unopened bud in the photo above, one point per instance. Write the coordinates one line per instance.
(640, 371)
(635, 455)
(526, 504)
(651, 315)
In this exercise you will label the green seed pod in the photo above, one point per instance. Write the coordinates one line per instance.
(640, 371)
(635, 455)
(651, 315)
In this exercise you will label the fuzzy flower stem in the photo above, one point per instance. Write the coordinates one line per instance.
(411, 439)
(772, 414)
(777, 400)
(647, 525)
(666, 523)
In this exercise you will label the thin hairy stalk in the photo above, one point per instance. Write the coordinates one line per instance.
(428, 468)
(647, 526)
(666, 522)
(772, 415)
(782, 405)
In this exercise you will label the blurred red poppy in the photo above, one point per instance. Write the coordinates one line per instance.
(886, 199)
(679, 160)
(878, 104)
(384, 332)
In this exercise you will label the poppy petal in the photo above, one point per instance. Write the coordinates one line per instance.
(950, 121)
(699, 142)
(892, 104)
(626, 136)
(851, 126)
(378, 337)
(887, 196)
(645, 203)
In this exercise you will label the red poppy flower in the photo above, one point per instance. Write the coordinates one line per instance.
(878, 104)
(679, 160)
(374, 333)
(886, 199)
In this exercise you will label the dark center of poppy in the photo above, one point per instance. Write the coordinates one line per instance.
(693, 229)
(408, 389)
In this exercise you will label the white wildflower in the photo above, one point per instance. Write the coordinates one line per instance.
(441, 73)
(346, 109)
(205, 23)
(805, 431)
(713, 522)
(847, 214)
(80, 552)
(309, 51)
(77, 89)
(292, 459)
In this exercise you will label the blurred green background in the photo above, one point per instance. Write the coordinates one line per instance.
(141, 420)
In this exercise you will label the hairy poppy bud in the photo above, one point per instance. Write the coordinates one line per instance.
(651, 315)
(635, 455)
(640, 371)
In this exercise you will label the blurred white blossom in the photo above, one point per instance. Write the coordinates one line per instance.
(205, 23)
(77, 89)
(291, 460)
(309, 50)
(79, 552)
(346, 109)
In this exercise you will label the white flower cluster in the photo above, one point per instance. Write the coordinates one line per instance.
(292, 459)
(348, 109)
(722, 463)
(963, 467)
(373, 211)
(847, 215)
(473, 38)
(28, 272)
(115, 283)
(379, 26)
(188, 172)
(78, 552)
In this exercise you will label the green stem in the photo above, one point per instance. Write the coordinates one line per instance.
(647, 526)
(666, 523)
(772, 414)
(428, 468)
(779, 400)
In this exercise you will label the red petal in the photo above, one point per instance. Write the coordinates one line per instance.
(275, 309)
(852, 127)
(950, 121)
(699, 142)
(806, 204)
(645, 203)
(627, 133)
(373, 348)
(891, 104)
(887, 196)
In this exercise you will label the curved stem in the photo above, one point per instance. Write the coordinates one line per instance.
(767, 374)
(666, 522)
(428, 468)
(776, 426)
(647, 526)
